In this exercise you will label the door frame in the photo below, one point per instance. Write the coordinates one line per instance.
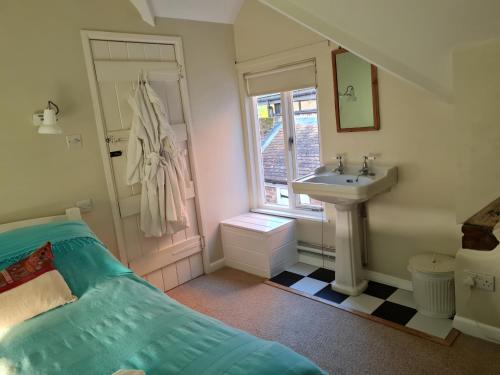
(89, 35)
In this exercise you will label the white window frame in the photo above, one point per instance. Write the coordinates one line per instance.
(249, 117)
(288, 118)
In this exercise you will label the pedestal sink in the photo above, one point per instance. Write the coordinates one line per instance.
(346, 191)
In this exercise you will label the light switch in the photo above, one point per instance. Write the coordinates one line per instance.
(74, 141)
(85, 205)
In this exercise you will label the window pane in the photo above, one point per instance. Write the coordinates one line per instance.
(305, 112)
(272, 147)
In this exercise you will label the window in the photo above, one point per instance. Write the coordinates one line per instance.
(287, 143)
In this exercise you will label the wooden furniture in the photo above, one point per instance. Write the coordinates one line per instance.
(478, 229)
(263, 245)
(352, 79)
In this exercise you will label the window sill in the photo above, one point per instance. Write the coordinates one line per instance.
(293, 214)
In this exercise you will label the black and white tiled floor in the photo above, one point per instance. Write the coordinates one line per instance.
(380, 300)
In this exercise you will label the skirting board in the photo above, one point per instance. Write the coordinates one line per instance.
(389, 280)
(217, 265)
(370, 275)
(477, 329)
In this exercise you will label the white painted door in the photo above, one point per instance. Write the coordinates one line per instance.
(172, 259)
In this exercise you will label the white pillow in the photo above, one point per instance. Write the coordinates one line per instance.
(31, 287)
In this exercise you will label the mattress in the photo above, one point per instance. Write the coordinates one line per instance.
(120, 321)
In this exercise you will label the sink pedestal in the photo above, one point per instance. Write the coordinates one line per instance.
(346, 191)
(348, 268)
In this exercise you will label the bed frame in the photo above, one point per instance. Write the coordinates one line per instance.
(72, 213)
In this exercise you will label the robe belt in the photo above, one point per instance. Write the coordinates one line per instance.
(153, 162)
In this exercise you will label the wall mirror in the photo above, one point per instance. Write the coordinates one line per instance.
(356, 92)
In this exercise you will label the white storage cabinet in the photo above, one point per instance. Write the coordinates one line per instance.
(263, 245)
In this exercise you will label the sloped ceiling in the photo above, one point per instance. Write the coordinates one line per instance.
(221, 11)
(412, 39)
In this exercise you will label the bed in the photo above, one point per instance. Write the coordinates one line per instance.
(122, 322)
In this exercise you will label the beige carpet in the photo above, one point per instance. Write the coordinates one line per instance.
(339, 342)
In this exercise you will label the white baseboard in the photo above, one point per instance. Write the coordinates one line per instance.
(217, 265)
(389, 280)
(477, 329)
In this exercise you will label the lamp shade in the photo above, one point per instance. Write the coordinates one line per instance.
(49, 117)
(49, 123)
(50, 129)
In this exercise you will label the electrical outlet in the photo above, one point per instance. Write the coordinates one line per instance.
(483, 281)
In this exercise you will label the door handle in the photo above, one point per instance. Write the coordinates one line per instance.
(112, 139)
(115, 154)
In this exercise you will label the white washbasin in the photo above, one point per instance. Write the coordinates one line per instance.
(346, 191)
(327, 186)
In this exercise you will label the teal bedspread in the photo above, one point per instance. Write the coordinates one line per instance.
(121, 321)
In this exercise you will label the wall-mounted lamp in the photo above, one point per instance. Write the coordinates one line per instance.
(47, 120)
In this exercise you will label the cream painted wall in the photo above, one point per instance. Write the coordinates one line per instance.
(42, 59)
(413, 39)
(260, 31)
(477, 116)
(417, 135)
(476, 73)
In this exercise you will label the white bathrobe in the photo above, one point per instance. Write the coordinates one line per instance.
(154, 160)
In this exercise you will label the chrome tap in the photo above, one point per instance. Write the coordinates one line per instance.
(340, 167)
(365, 170)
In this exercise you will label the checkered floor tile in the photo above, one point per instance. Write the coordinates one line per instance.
(380, 300)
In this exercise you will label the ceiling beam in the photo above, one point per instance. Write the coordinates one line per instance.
(145, 10)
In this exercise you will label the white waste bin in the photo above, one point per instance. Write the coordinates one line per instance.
(433, 284)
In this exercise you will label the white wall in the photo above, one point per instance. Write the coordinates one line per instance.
(42, 59)
(259, 32)
(477, 310)
(413, 39)
(476, 72)
(477, 115)
(416, 134)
